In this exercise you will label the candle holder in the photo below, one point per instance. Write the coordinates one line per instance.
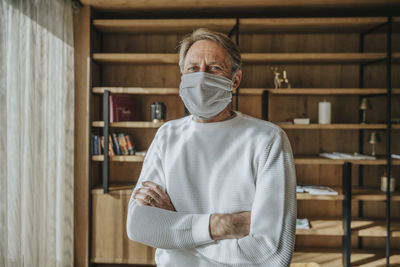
(364, 106)
(373, 140)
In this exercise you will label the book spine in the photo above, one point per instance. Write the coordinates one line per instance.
(111, 151)
(115, 144)
(122, 144)
(130, 145)
(96, 145)
(111, 103)
(102, 145)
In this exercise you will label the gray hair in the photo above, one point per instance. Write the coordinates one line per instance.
(219, 38)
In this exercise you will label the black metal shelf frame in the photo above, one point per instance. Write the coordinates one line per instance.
(388, 61)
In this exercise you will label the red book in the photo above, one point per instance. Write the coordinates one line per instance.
(122, 108)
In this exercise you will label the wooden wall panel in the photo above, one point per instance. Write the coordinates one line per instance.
(302, 76)
(298, 43)
(82, 104)
(141, 75)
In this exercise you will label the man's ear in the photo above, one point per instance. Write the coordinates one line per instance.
(237, 79)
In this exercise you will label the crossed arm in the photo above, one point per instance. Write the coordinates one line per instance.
(221, 226)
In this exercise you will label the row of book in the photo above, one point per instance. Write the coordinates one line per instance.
(118, 144)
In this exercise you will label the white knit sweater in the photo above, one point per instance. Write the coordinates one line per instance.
(240, 164)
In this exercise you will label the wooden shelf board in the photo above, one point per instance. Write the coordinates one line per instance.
(122, 261)
(120, 158)
(172, 26)
(255, 58)
(308, 25)
(335, 126)
(307, 196)
(136, 58)
(136, 90)
(129, 124)
(251, 91)
(315, 159)
(372, 194)
(328, 91)
(359, 227)
(306, 58)
(281, 7)
(120, 188)
(317, 91)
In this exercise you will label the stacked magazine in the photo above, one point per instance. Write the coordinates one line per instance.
(316, 190)
(349, 156)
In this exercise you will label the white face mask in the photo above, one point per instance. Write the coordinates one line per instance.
(204, 94)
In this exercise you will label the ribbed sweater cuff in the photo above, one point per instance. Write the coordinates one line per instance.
(200, 228)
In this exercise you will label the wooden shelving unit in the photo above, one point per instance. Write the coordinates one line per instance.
(120, 65)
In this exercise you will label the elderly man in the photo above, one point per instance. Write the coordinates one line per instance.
(217, 188)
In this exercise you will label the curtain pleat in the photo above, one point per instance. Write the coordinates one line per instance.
(37, 133)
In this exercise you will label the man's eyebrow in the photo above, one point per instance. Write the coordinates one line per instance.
(217, 63)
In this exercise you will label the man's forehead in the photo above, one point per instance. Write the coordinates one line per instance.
(211, 51)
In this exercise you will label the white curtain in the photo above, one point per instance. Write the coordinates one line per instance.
(37, 133)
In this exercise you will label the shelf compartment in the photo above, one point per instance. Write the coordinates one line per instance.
(120, 158)
(335, 126)
(171, 26)
(129, 124)
(252, 58)
(136, 90)
(309, 25)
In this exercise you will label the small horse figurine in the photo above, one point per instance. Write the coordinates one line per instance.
(280, 82)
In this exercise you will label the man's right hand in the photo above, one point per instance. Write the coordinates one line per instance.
(230, 225)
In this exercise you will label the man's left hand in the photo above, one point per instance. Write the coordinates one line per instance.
(151, 194)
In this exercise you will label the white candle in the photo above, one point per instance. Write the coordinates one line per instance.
(324, 112)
